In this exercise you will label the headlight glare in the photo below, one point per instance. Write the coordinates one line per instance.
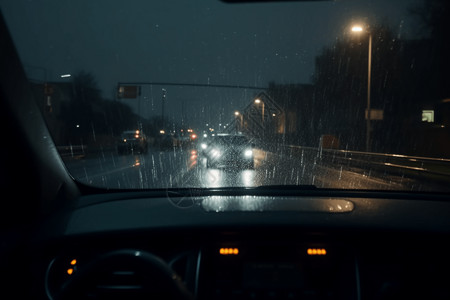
(215, 153)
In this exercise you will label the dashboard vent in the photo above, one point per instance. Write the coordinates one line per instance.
(120, 283)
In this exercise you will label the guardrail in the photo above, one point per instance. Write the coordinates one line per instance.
(403, 165)
(72, 151)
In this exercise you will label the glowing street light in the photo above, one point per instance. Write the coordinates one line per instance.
(258, 101)
(357, 28)
(241, 120)
(360, 29)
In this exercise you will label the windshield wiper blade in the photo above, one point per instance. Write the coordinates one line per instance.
(291, 187)
(270, 189)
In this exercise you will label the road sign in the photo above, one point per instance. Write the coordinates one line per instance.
(129, 91)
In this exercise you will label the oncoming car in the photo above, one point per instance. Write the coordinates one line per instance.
(132, 141)
(227, 150)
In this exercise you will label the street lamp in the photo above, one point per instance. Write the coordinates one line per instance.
(163, 103)
(258, 101)
(241, 119)
(359, 29)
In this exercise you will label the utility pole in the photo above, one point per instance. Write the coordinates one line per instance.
(162, 109)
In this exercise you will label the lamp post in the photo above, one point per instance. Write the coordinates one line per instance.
(258, 101)
(241, 120)
(358, 29)
(163, 103)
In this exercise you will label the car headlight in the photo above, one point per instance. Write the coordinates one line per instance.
(215, 153)
(248, 153)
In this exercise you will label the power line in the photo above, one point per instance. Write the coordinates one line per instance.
(196, 85)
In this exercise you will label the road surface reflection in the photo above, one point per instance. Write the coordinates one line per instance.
(181, 168)
(224, 178)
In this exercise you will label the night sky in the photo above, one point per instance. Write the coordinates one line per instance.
(181, 41)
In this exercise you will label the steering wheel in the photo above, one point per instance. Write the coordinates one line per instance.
(156, 279)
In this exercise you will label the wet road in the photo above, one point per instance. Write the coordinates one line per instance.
(186, 168)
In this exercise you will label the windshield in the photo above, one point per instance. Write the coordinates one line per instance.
(345, 94)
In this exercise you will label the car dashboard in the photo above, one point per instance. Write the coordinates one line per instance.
(62, 240)
(291, 247)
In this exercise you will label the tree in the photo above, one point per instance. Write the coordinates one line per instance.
(433, 16)
(341, 86)
(88, 117)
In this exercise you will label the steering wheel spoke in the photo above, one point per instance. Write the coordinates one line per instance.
(125, 274)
